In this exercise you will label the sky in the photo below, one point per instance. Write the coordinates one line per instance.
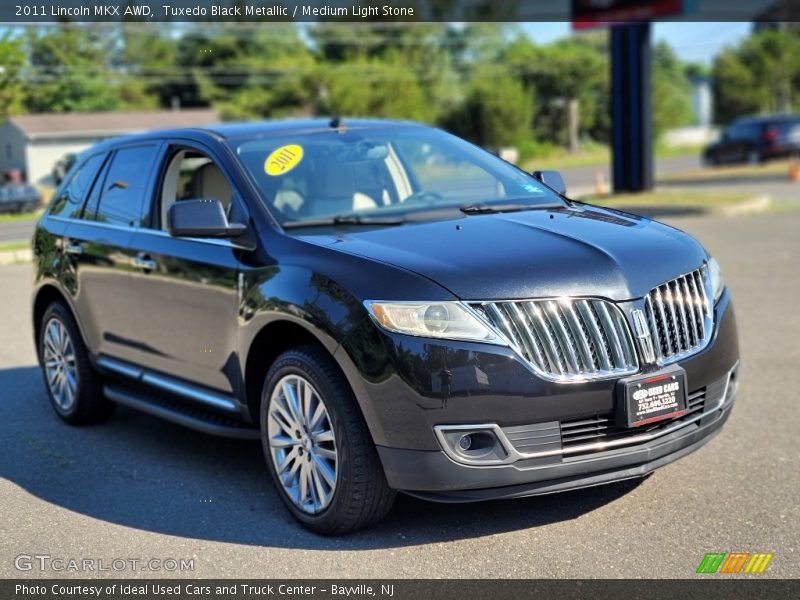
(693, 42)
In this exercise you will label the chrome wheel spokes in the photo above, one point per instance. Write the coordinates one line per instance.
(302, 443)
(61, 370)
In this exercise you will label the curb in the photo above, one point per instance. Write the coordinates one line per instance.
(756, 204)
(751, 206)
(11, 257)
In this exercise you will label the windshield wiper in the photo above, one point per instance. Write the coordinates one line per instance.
(344, 220)
(476, 209)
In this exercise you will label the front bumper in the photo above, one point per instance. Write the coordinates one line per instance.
(404, 399)
(436, 476)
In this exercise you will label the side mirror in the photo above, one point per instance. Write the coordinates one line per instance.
(202, 218)
(553, 180)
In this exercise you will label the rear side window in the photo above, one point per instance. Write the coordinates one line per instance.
(70, 201)
(122, 198)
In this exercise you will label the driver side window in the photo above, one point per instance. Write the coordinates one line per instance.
(191, 175)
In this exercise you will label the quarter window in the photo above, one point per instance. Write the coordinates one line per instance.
(70, 201)
(122, 199)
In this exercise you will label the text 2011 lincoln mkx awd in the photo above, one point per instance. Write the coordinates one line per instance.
(386, 306)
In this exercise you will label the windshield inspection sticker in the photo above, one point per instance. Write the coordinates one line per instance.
(283, 160)
(531, 189)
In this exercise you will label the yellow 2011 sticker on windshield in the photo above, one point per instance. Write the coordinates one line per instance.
(283, 160)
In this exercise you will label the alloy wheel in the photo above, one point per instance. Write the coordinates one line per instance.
(60, 364)
(302, 443)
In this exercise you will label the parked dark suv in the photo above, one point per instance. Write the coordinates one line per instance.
(385, 306)
(754, 140)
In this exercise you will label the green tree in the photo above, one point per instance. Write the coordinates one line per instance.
(12, 85)
(147, 58)
(69, 69)
(249, 72)
(758, 76)
(403, 72)
(568, 72)
(498, 111)
(670, 92)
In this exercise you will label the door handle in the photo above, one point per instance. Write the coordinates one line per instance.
(73, 248)
(145, 263)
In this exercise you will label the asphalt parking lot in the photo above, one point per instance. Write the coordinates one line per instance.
(140, 488)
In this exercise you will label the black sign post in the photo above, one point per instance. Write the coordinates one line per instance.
(631, 113)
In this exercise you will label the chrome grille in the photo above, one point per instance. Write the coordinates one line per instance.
(680, 316)
(566, 339)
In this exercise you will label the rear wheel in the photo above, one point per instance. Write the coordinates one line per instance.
(318, 450)
(72, 385)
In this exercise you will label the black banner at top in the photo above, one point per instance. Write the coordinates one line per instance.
(580, 12)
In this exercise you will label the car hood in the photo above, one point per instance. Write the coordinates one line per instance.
(570, 251)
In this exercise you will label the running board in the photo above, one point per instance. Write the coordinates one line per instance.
(181, 413)
(168, 384)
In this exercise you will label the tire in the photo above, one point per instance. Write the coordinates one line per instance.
(335, 446)
(753, 157)
(76, 396)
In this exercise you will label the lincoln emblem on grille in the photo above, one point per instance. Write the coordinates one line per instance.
(642, 332)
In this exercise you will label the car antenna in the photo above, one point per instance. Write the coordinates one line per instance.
(335, 123)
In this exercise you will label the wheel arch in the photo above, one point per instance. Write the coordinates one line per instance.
(272, 340)
(43, 297)
(263, 352)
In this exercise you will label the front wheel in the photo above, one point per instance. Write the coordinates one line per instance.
(318, 450)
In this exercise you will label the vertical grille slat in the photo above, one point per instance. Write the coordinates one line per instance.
(598, 341)
(542, 331)
(680, 309)
(613, 337)
(567, 349)
(677, 313)
(688, 310)
(654, 331)
(698, 306)
(699, 276)
(663, 327)
(567, 339)
(528, 339)
(579, 335)
(675, 335)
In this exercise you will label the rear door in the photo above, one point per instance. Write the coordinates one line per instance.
(98, 248)
(184, 293)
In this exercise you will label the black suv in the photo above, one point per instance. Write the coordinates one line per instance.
(385, 306)
(754, 140)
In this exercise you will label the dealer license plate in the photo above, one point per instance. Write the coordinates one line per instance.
(653, 398)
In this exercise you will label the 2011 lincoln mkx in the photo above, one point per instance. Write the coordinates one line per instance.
(385, 306)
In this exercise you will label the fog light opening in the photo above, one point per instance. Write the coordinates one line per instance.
(473, 445)
(733, 384)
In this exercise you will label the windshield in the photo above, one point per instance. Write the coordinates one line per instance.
(382, 175)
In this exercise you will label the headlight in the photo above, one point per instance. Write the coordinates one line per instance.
(446, 320)
(715, 275)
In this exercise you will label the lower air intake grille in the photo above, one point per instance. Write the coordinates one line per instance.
(566, 339)
(602, 428)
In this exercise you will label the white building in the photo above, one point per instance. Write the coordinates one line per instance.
(33, 143)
